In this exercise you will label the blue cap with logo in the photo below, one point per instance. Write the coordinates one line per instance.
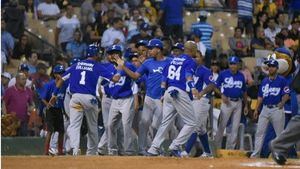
(58, 69)
(155, 43)
(272, 63)
(24, 67)
(178, 46)
(233, 60)
(92, 50)
(114, 48)
(141, 43)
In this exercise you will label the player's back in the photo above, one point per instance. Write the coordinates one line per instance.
(84, 76)
(177, 71)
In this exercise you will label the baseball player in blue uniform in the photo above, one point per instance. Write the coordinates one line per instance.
(179, 88)
(152, 111)
(204, 84)
(272, 94)
(121, 107)
(83, 77)
(54, 113)
(232, 86)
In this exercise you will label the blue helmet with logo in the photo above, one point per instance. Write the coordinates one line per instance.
(92, 50)
(58, 69)
(73, 61)
(155, 43)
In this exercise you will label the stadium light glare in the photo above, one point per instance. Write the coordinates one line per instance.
(188, 13)
(50, 30)
(208, 14)
(228, 14)
(220, 20)
(222, 35)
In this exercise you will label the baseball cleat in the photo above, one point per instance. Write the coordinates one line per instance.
(278, 158)
(206, 155)
(53, 151)
(175, 153)
(184, 154)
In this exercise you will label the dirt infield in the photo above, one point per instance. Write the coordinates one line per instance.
(98, 162)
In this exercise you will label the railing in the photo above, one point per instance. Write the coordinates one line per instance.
(47, 51)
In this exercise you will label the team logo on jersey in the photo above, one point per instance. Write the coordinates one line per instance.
(270, 91)
(211, 78)
(158, 70)
(230, 83)
(286, 89)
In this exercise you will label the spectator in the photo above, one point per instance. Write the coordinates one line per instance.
(40, 78)
(7, 41)
(114, 34)
(279, 40)
(157, 33)
(167, 45)
(30, 9)
(5, 78)
(132, 22)
(238, 44)
(90, 36)
(145, 32)
(18, 99)
(102, 18)
(65, 28)
(76, 48)
(272, 29)
(151, 12)
(261, 19)
(87, 13)
(3, 61)
(245, 15)
(48, 11)
(22, 69)
(206, 31)
(247, 74)
(135, 31)
(294, 33)
(294, 7)
(281, 20)
(15, 17)
(110, 4)
(32, 62)
(200, 45)
(269, 7)
(22, 48)
(260, 41)
(172, 11)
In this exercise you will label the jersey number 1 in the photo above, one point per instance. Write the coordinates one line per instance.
(82, 79)
(173, 73)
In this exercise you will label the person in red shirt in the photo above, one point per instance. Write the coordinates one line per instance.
(18, 100)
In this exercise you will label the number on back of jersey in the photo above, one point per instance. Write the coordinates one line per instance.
(174, 73)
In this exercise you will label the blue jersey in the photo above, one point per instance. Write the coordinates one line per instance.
(178, 70)
(271, 91)
(153, 69)
(84, 76)
(105, 83)
(48, 91)
(123, 88)
(173, 11)
(231, 85)
(203, 77)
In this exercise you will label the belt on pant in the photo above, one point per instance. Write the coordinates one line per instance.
(109, 96)
(270, 106)
(234, 99)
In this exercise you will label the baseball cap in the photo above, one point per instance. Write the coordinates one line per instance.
(141, 43)
(114, 48)
(92, 50)
(23, 67)
(233, 60)
(272, 63)
(129, 54)
(178, 46)
(203, 14)
(155, 43)
(7, 75)
(144, 27)
(58, 69)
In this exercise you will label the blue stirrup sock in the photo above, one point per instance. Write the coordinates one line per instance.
(190, 143)
(204, 140)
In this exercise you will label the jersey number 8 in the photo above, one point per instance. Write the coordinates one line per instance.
(173, 73)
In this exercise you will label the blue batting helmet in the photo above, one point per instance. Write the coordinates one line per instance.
(92, 50)
(233, 60)
(114, 48)
(58, 69)
(73, 61)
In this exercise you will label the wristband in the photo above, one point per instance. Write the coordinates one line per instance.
(191, 84)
